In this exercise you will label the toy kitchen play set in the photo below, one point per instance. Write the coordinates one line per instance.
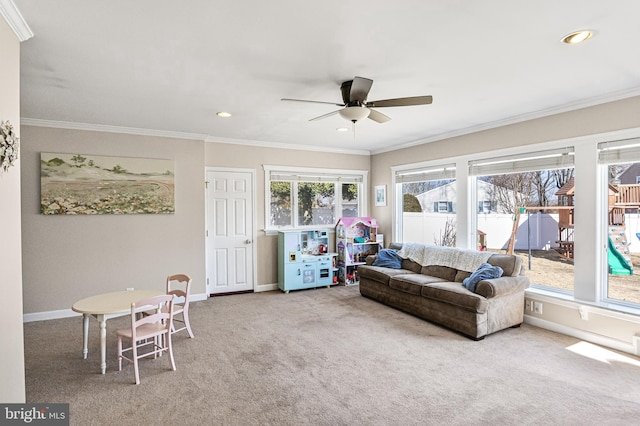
(304, 260)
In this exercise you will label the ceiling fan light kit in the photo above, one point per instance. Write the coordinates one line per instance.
(355, 106)
(354, 113)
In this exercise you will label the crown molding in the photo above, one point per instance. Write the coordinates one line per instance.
(14, 18)
(280, 145)
(573, 106)
(26, 121)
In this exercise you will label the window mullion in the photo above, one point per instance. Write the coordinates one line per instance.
(294, 204)
(337, 205)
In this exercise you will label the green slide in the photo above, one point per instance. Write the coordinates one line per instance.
(618, 265)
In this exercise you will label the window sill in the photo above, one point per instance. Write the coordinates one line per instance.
(274, 231)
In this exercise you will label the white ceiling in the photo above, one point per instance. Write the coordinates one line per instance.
(168, 66)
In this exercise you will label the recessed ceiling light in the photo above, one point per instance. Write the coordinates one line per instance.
(224, 114)
(342, 129)
(578, 36)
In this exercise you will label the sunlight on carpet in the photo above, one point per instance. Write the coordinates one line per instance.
(601, 354)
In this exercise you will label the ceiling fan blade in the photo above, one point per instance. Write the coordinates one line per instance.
(313, 102)
(360, 87)
(325, 115)
(378, 117)
(415, 100)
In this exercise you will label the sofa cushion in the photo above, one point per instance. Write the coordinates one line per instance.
(412, 283)
(379, 273)
(444, 272)
(461, 275)
(455, 294)
(511, 265)
(388, 258)
(410, 265)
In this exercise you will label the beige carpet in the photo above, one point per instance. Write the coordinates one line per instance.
(330, 357)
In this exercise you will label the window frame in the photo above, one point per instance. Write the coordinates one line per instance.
(310, 175)
(416, 172)
(611, 152)
(532, 160)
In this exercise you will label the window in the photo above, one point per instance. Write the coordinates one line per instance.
(280, 210)
(531, 196)
(443, 207)
(426, 204)
(350, 200)
(486, 206)
(298, 198)
(621, 162)
(316, 203)
(568, 232)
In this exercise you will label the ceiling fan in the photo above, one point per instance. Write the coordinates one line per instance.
(356, 107)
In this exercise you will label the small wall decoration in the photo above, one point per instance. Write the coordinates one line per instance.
(381, 195)
(92, 184)
(9, 145)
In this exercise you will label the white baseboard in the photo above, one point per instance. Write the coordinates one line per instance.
(630, 348)
(49, 315)
(199, 297)
(67, 313)
(265, 287)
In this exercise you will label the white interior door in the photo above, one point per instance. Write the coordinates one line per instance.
(230, 229)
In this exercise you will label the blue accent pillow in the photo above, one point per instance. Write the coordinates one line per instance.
(388, 258)
(484, 272)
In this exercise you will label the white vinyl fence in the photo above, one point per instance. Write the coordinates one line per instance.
(539, 231)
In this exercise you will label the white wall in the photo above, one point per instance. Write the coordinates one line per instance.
(12, 388)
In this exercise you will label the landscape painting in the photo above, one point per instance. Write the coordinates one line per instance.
(91, 184)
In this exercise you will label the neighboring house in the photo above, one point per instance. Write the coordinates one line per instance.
(443, 199)
(631, 176)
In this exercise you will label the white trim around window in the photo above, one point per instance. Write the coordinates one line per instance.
(311, 174)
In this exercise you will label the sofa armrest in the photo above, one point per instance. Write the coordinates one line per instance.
(501, 286)
(370, 259)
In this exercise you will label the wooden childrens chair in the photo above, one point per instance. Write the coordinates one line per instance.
(180, 286)
(153, 329)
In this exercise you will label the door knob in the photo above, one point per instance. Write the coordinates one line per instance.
(247, 241)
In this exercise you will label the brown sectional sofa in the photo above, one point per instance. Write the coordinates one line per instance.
(436, 293)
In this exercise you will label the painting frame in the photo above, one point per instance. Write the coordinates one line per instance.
(381, 195)
(87, 184)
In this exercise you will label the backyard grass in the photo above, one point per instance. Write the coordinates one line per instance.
(549, 268)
